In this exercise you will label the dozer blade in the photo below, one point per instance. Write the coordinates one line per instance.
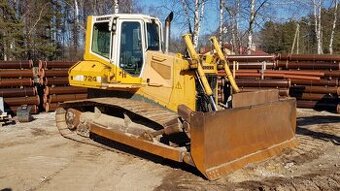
(227, 140)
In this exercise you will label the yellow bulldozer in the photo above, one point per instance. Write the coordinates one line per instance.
(166, 104)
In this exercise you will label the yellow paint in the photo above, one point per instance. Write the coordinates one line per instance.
(225, 62)
(153, 85)
(195, 58)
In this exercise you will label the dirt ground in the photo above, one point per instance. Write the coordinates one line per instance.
(33, 156)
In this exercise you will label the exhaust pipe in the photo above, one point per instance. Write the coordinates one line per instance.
(167, 31)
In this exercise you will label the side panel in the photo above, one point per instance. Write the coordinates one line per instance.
(166, 83)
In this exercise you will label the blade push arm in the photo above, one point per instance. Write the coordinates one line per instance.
(199, 70)
(225, 63)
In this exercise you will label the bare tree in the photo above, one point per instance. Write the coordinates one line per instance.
(252, 17)
(116, 6)
(234, 11)
(317, 5)
(199, 13)
(333, 27)
(221, 19)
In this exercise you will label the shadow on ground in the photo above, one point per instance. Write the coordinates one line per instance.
(303, 122)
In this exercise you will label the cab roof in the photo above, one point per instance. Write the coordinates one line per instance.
(124, 16)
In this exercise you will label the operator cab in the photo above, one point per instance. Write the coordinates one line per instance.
(123, 39)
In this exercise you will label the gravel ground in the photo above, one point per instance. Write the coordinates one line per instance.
(33, 156)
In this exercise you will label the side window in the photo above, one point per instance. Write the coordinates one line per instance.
(131, 51)
(101, 42)
(153, 36)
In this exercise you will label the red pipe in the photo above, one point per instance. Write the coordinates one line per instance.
(16, 73)
(318, 105)
(56, 81)
(64, 90)
(15, 82)
(18, 92)
(284, 83)
(19, 64)
(309, 65)
(250, 58)
(316, 89)
(22, 101)
(56, 73)
(322, 82)
(58, 64)
(66, 97)
(276, 75)
(13, 109)
(49, 107)
(302, 73)
(313, 96)
(308, 57)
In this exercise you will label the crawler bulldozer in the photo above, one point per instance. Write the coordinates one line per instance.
(166, 104)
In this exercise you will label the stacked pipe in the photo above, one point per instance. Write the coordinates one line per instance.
(54, 77)
(312, 79)
(17, 86)
(322, 94)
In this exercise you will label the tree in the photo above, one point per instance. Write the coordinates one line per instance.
(10, 31)
(252, 16)
(317, 5)
(333, 27)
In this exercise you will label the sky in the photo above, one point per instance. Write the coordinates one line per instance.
(283, 11)
(177, 28)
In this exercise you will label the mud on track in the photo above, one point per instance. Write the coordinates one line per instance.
(34, 157)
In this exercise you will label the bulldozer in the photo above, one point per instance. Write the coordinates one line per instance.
(166, 104)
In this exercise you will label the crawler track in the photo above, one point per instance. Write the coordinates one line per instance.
(151, 113)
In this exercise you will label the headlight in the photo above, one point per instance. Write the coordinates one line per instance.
(99, 79)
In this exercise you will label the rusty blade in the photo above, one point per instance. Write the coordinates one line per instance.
(282, 91)
(227, 140)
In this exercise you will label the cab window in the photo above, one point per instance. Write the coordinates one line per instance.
(101, 39)
(131, 52)
(153, 36)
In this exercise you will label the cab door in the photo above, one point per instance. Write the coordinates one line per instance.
(130, 51)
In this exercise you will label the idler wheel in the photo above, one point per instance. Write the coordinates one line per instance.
(72, 118)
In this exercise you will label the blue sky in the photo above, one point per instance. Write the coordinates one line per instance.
(177, 29)
(279, 11)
